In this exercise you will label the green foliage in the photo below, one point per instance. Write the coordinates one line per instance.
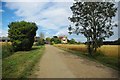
(21, 63)
(7, 50)
(79, 43)
(42, 35)
(22, 34)
(56, 40)
(48, 39)
(72, 41)
(41, 41)
(52, 43)
(94, 21)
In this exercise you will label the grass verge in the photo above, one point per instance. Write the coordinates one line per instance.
(20, 64)
(99, 57)
(7, 50)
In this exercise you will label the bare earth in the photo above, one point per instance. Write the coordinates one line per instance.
(57, 63)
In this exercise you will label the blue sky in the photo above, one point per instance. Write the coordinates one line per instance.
(50, 17)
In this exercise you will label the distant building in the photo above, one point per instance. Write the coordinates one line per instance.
(63, 39)
(4, 39)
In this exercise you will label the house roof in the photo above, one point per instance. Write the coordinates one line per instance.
(61, 37)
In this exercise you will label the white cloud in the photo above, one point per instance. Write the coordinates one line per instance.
(3, 33)
(48, 15)
(63, 31)
(44, 14)
(55, 0)
(1, 10)
(37, 0)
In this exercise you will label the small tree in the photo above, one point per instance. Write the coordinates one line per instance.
(41, 40)
(56, 40)
(22, 34)
(94, 21)
(48, 40)
(42, 35)
(72, 41)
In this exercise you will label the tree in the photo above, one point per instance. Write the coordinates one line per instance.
(72, 41)
(48, 40)
(22, 34)
(41, 40)
(94, 21)
(56, 40)
(42, 35)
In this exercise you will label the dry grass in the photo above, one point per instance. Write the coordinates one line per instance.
(109, 50)
(4, 43)
(73, 47)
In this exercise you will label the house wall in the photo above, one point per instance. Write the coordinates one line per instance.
(64, 40)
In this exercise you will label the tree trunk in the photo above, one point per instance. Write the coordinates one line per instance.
(89, 46)
(95, 50)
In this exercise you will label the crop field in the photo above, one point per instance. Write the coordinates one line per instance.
(4, 43)
(109, 50)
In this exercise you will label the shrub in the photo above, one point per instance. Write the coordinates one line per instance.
(7, 50)
(52, 43)
(72, 41)
(22, 35)
(40, 42)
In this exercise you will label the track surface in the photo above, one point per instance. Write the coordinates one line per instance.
(57, 63)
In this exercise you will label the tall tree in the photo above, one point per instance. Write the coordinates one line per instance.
(41, 40)
(42, 35)
(94, 21)
(22, 34)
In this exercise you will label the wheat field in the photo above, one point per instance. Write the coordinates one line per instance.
(109, 50)
(4, 43)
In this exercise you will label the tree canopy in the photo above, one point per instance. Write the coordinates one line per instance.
(94, 21)
(72, 41)
(56, 40)
(22, 34)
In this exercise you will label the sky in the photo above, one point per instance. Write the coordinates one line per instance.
(50, 16)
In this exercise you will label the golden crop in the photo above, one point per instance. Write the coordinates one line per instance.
(109, 50)
(4, 43)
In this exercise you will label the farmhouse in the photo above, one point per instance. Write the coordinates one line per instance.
(63, 39)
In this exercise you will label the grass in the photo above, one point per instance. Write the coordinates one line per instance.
(7, 50)
(20, 64)
(110, 61)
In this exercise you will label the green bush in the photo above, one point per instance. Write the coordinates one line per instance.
(72, 41)
(7, 50)
(40, 42)
(22, 35)
(52, 43)
(56, 40)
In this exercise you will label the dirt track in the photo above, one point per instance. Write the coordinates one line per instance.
(56, 63)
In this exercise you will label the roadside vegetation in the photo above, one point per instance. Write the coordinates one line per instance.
(7, 49)
(19, 56)
(21, 63)
(94, 21)
(22, 35)
(107, 55)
